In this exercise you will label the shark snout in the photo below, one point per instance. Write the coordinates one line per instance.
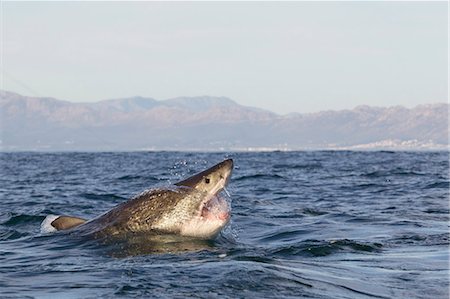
(211, 180)
(227, 170)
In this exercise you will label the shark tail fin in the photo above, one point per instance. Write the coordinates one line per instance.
(54, 223)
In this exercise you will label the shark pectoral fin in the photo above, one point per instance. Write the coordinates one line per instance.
(66, 222)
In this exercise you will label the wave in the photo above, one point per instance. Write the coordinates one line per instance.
(438, 185)
(103, 197)
(395, 172)
(11, 234)
(130, 177)
(18, 219)
(421, 239)
(308, 166)
(259, 177)
(15, 226)
(313, 212)
(284, 236)
(316, 248)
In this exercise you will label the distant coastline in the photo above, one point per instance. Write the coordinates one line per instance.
(209, 123)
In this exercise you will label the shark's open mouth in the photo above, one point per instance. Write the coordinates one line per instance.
(217, 208)
(214, 214)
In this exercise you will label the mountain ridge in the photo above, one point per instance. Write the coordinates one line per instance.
(211, 123)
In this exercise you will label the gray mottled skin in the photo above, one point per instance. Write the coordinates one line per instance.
(148, 211)
(191, 207)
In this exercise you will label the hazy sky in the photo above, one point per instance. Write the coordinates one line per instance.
(285, 57)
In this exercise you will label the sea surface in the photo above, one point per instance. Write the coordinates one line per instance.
(320, 224)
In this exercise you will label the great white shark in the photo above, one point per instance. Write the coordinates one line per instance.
(189, 208)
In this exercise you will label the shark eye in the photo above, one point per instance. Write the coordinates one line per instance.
(207, 180)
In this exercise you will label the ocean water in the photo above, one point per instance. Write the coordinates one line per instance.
(324, 224)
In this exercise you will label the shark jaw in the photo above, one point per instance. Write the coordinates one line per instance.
(214, 212)
(212, 218)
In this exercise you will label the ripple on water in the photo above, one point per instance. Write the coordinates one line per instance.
(259, 177)
(318, 248)
(102, 196)
(438, 185)
(18, 219)
(307, 166)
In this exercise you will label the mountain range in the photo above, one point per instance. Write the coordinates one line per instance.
(208, 123)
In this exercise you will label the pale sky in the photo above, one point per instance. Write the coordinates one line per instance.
(284, 57)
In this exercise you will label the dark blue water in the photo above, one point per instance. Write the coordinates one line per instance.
(304, 224)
